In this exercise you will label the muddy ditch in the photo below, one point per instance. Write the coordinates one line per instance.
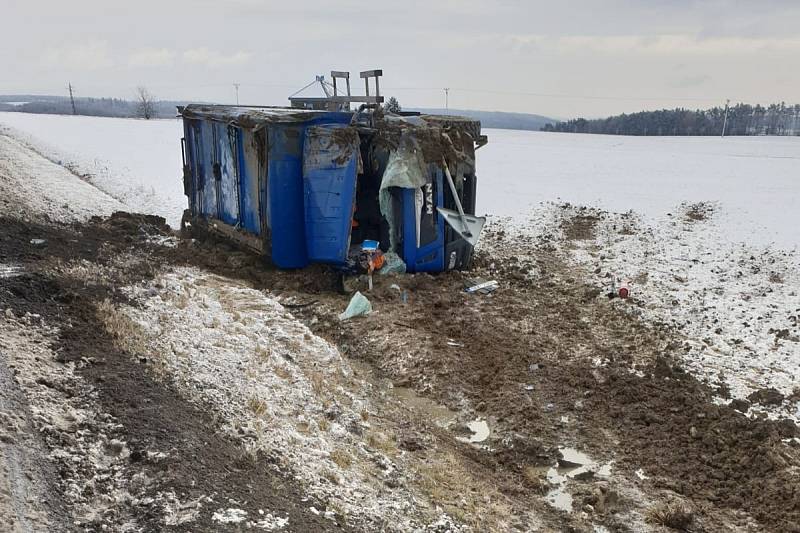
(552, 365)
(544, 361)
(179, 471)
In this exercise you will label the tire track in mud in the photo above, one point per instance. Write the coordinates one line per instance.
(27, 501)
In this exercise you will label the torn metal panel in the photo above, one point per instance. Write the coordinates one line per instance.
(227, 175)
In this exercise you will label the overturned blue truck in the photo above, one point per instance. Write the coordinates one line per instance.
(310, 183)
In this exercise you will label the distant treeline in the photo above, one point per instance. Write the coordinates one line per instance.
(493, 119)
(743, 119)
(98, 107)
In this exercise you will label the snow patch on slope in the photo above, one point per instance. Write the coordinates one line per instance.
(279, 389)
(30, 184)
(736, 305)
(138, 162)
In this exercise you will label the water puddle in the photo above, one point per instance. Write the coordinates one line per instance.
(480, 431)
(572, 465)
(10, 271)
(436, 413)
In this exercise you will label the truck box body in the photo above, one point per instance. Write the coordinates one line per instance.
(302, 186)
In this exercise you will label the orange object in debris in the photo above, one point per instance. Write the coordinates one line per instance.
(377, 261)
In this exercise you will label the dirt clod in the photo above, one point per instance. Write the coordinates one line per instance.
(766, 396)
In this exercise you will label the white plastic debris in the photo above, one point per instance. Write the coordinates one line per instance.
(359, 305)
(229, 516)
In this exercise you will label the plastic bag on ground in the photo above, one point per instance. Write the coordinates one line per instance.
(359, 305)
(405, 168)
(392, 264)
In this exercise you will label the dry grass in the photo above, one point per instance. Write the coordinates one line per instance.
(672, 515)
(317, 382)
(257, 406)
(382, 442)
(699, 211)
(337, 508)
(130, 337)
(439, 478)
(181, 300)
(127, 335)
(263, 352)
(476, 503)
(535, 478)
(775, 277)
(331, 476)
(579, 227)
(282, 372)
(342, 459)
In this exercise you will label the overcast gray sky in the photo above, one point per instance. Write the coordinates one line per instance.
(558, 58)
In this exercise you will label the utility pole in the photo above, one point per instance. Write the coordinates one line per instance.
(72, 99)
(725, 120)
(447, 98)
(236, 86)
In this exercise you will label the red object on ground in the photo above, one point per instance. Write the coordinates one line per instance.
(623, 291)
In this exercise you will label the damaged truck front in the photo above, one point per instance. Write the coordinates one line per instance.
(302, 186)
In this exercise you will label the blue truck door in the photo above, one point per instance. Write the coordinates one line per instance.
(330, 161)
(423, 226)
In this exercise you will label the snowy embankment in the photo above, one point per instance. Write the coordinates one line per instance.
(281, 390)
(735, 306)
(137, 162)
(31, 186)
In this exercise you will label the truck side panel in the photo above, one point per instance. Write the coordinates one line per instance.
(285, 195)
(249, 180)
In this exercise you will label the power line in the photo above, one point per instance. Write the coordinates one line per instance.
(558, 95)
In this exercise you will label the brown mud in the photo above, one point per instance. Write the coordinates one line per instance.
(544, 359)
(553, 364)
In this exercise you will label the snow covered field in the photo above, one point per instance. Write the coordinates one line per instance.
(756, 180)
(138, 162)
